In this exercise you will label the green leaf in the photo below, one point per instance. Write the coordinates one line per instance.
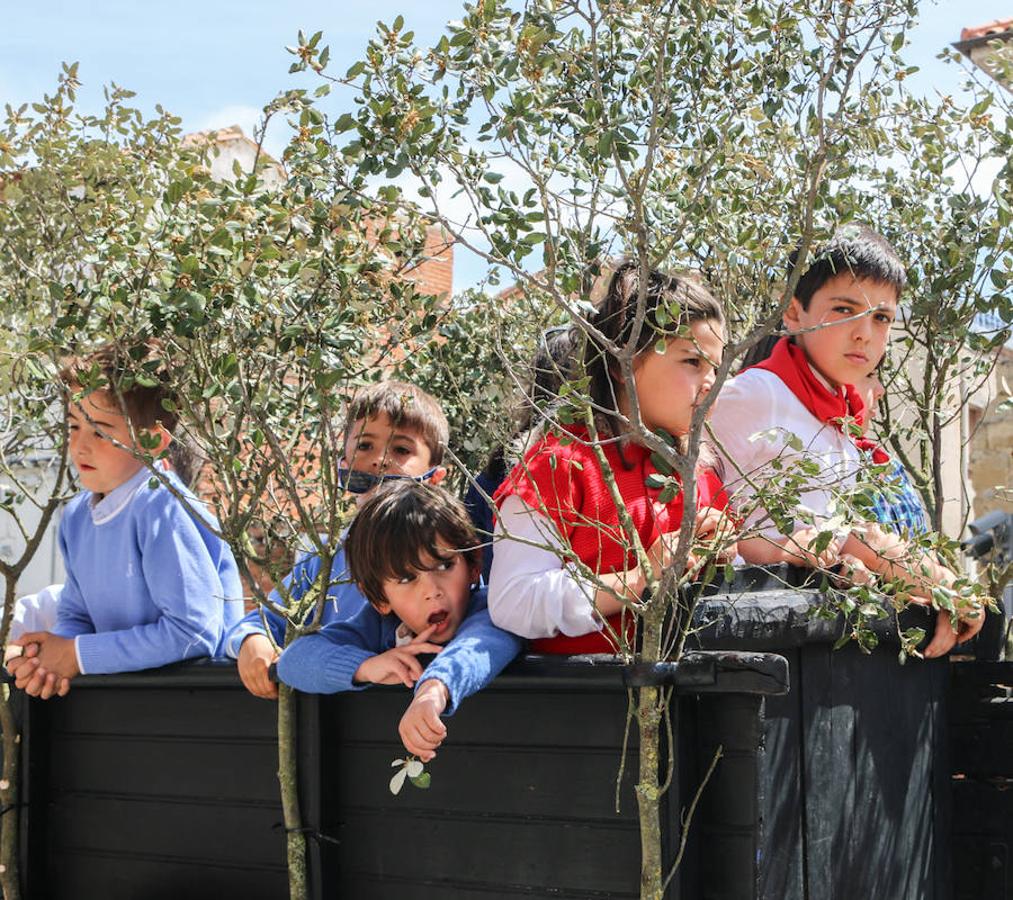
(422, 781)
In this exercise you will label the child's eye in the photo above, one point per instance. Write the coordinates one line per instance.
(445, 565)
(694, 361)
(884, 317)
(406, 579)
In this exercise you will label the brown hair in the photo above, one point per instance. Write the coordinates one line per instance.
(133, 376)
(406, 406)
(398, 527)
(671, 304)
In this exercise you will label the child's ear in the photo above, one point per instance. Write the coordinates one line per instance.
(383, 607)
(164, 439)
(438, 475)
(792, 314)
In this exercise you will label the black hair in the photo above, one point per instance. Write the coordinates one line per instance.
(672, 303)
(399, 527)
(856, 249)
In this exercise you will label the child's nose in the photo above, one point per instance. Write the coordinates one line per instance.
(430, 585)
(862, 328)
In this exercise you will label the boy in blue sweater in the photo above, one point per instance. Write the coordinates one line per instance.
(392, 430)
(414, 553)
(148, 582)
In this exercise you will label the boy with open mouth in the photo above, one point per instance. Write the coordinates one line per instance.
(414, 554)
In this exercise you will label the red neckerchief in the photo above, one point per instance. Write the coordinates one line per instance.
(879, 456)
(788, 362)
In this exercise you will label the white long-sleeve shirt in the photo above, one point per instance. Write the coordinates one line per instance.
(754, 419)
(531, 591)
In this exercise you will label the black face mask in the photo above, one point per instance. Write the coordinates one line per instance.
(357, 482)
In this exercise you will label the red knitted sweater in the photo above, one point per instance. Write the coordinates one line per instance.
(564, 482)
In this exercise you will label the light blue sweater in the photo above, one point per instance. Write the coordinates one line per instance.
(326, 662)
(147, 583)
(343, 601)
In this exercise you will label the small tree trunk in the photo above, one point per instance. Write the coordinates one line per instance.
(648, 717)
(9, 819)
(649, 721)
(288, 781)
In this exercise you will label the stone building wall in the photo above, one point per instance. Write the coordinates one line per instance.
(991, 458)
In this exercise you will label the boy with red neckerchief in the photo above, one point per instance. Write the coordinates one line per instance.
(800, 405)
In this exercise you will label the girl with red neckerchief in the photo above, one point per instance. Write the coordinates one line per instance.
(556, 502)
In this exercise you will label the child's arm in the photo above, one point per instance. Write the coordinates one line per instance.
(350, 655)
(184, 586)
(45, 669)
(891, 557)
(795, 549)
(255, 648)
(534, 595)
(472, 658)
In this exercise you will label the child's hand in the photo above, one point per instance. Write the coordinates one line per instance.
(798, 552)
(854, 571)
(421, 729)
(256, 654)
(716, 529)
(17, 654)
(399, 665)
(944, 637)
(30, 676)
(56, 654)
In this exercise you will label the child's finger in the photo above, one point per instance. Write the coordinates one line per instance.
(49, 687)
(421, 648)
(414, 746)
(26, 672)
(970, 627)
(943, 639)
(63, 688)
(411, 664)
(426, 727)
(405, 670)
(36, 682)
(31, 637)
(435, 730)
(423, 635)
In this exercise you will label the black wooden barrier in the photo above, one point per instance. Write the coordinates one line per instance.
(162, 784)
(982, 725)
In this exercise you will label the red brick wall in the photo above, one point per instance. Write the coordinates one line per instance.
(435, 275)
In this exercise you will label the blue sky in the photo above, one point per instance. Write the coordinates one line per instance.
(215, 63)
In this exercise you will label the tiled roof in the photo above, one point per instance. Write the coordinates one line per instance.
(999, 26)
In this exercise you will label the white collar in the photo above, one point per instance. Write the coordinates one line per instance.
(835, 391)
(113, 503)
